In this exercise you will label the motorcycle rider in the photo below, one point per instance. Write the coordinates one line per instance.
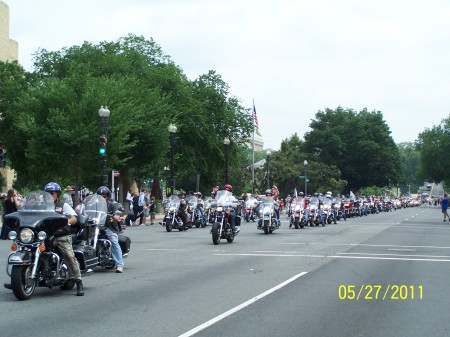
(229, 188)
(329, 195)
(112, 227)
(200, 206)
(182, 211)
(63, 238)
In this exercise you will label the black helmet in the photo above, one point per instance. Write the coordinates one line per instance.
(103, 190)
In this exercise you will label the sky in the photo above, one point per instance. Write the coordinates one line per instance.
(293, 58)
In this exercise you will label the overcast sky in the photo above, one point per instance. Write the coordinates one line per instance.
(293, 57)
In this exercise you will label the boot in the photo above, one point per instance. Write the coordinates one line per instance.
(80, 289)
(7, 285)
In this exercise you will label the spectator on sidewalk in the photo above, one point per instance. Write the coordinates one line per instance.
(444, 207)
(10, 205)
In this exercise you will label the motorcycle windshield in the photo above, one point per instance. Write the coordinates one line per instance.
(268, 203)
(96, 208)
(250, 202)
(314, 202)
(173, 202)
(192, 201)
(224, 198)
(35, 208)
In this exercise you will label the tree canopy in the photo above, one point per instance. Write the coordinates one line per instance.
(358, 143)
(52, 116)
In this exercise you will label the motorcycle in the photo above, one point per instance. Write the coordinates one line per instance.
(328, 212)
(172, 219)
(35, 262)
(297, 215)
(313, 212)
(250, 206)
(267, 219)
(193, 212)
(95, 207)
(221, 228)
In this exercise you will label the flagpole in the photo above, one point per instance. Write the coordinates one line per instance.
(253, 160)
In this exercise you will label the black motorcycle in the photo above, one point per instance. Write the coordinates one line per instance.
(96, 209)
(221, 228)
(35, 262)
(172, 219)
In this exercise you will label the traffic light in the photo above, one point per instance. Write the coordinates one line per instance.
(2, 154)
(102, 150)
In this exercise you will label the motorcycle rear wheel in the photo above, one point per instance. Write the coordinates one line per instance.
(215, 232)
(22, 285)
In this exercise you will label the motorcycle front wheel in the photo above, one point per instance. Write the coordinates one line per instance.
(22, 285)
(168, 223)
(266, 227)
(215, 232)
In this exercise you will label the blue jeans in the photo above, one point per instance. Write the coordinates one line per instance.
(115, 247)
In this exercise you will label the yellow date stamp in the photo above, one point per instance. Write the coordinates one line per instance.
(371, 292)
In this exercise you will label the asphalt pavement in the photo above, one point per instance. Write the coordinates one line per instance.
(380, 275)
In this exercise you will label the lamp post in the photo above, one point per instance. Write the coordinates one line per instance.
(226, 143)
(268, 170)
(305, 164)
(104, 113)
(172, 130)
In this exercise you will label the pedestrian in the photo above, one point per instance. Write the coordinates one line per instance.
(444, 207)
(10, 205)
(142, 205)
(152, 210)
(67, 196)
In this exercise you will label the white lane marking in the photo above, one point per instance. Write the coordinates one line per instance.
(361, 244)
(403, 249)
(410, 255)
(336, 257)
(240, 306)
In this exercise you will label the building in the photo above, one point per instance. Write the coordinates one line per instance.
(9, 51)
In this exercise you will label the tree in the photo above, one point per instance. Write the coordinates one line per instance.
(358, 144)
(54, 116)
(410, 161)
(434, 146)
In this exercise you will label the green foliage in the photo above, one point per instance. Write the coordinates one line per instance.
(368, 191)
(51, 115)
(434, 146)
(358, 143)
(410, 161)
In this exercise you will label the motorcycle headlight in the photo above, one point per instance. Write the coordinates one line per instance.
(12, 235)
(42, 236)
(267, 210)
(170, 209)
(26, 235)
(219, 209)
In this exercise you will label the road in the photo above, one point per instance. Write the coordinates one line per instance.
(338, 280)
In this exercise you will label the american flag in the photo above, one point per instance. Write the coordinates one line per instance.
(255, 119)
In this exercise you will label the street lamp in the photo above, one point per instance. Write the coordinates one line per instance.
(172, 130)
(226, 143)
(104, 113)
(268, 170)
(305, 164)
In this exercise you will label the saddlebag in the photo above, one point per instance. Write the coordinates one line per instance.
(125, 243)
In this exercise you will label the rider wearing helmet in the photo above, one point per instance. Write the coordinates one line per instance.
(112, 227)
(229, 188)
(182, 211)
(63, 238)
